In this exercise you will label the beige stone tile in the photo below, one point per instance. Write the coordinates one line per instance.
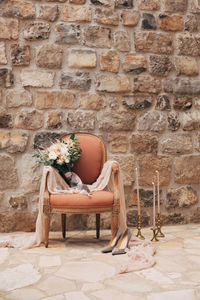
(173, 295)
(49, 261)
(86, 271)
(155, 276)
(56, 297)
(4, 253)
(54, 285)
(131, 285)
(25, 294)
(20, 276)
(88, 287)
(111, 294)
(76, 296)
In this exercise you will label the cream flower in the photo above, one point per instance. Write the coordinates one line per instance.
(52, 155)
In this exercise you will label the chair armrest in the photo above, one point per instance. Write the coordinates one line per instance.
(115, 168)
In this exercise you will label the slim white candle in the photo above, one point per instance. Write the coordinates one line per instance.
(138, 195)
(154, 207)
(158, 191)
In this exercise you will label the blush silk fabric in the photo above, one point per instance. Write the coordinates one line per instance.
(141, 253)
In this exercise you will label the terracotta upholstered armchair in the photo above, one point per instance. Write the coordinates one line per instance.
(88, 167)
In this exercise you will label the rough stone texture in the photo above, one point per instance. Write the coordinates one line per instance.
(170, 23)
(181, 197)
(45, 139)
(172, 6)
(49, 13)
(148, 21)
(17, 8)
(30, 182)
(118, 143)
(20, 56)
(186, 66)
(152, 120)
(17, 221)
(144, 143)
(77, 80)
(29, 120)
(160, 65)
(9, 28)
(173, 218)
(101, 2)
(13, 141)
(182, 86)
(134, 63)
(122, 41)
(37, 78)
(182, 102)
(92, 101)
(191, 120)
(123, 3)
(109, 61)
(18, 202)
(96, 36)
(132, 218)
(8, 167)
(76, 14)
(191, 23)
(173, 121)
(81, 120)
(188, 44)
(130, 18)
(176, 144)
(106, 16)
(149, 164)
(112, 83)
(158, 43)
(127, 164)
(3, 58)
(77, 1)
(187, 169)
(17, 98)
(163, 102)
(136, 102)
(119, 121)
(146, 84)
(55, 99)
(37, 30)
(50, 56)
(5, 119)
(67, 33)
(6, 78)
(149, 5)
(82, 59)
(54, 120)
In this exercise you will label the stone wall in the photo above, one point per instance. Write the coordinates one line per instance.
(126, 70)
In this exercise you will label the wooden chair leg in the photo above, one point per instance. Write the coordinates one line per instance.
(46, 229)
(97, 226)
(63, 220)
(115, 217)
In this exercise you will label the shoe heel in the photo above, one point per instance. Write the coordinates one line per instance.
(122, 243)
(113, 242)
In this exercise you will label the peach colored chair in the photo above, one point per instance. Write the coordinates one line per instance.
(88, 167)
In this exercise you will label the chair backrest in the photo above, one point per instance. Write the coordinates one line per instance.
(89, 165)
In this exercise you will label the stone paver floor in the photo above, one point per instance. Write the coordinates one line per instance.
(75, 269)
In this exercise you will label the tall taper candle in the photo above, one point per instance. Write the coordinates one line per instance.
(138, 195)
(158, 191)
(154, 206)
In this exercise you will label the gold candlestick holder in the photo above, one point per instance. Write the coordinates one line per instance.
(154, 238)
(159, 232)
(139, 234)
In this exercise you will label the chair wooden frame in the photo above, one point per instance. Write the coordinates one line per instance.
(48, 210)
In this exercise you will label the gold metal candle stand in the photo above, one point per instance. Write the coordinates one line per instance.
(139, 234)
(154, 238)
(159, 232)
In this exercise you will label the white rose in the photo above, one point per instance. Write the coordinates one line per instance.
(52, 155)
(67, 160)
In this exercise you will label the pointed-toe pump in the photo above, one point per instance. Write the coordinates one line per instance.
(113, 242)
(122, 243)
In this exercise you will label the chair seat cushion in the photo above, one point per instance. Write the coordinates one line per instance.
(99, 199)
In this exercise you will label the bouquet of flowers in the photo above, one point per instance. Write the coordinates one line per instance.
(61, 155)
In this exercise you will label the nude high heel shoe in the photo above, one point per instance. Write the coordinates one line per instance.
(122, 243)
(113, 242)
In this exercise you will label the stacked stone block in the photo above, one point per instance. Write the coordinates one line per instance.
(126, 70)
